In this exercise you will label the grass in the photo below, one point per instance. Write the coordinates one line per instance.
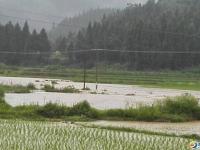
(172, 109)
(69, 89)
(185, 80)
(17, 88)
(176, 109)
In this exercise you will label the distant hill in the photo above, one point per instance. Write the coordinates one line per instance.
(171, 27)
(74, 24)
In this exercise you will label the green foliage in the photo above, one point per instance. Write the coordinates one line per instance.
(49, 88)
(145, 31)
(68, 89)
(31, 86)
(176, 109)
(83, 108)
(17, 134)
(21, 40)
(185, 104)
(17, 88)
(53, 110)
(1, 93)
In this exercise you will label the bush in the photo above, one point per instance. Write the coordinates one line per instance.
(70, 89)
(31, 86)
(1, 93)
(3, 105)
(83, 108)
(176, 109)
(53, 110)
(49, 88)
(185, 105)
(115, 113)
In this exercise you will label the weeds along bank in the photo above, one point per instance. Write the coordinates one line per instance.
(175, 109)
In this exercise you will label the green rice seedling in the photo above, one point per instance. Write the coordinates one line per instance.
(23, 135)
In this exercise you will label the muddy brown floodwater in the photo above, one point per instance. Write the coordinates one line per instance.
(108, 95)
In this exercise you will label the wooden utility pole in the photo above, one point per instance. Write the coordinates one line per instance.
(97, 58)
(84, 72)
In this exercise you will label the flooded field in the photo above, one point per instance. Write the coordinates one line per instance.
(107, 96)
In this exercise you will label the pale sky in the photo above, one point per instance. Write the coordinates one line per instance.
(46, 9)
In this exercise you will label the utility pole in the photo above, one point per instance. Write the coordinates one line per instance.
(97, 58)
(84, 72)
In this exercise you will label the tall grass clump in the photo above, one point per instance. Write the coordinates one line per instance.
(53, 110)
(1, 93)
(83, 108)
(18, 88)
(173, 109)
(185, 105)
(68, 89)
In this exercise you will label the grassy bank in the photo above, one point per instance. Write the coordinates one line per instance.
(186, 80)
(17, 88)
(177, 109)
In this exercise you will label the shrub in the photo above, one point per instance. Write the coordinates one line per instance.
(19, 89)
(114, 113)
(49, 88)
(70, 89)
(185, 104)
(83, 108)
(52, 110)
(31, 86)
(1, 93)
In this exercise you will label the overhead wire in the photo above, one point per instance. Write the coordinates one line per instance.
(101, 50)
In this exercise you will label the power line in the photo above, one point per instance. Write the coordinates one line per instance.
(102, 50)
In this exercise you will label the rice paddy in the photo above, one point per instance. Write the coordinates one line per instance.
(23, 135)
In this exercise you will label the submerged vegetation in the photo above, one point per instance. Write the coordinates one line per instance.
(17, 88)
(68, 89)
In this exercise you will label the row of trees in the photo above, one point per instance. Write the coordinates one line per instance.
(13, 39)
(166, 25)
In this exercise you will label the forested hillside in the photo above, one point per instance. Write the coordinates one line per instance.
(157, 35)
(74, 24)
(168, 26)
(15, 42)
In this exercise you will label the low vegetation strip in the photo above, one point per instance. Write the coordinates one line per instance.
(185, 80)
(69, 89)
(176, 109)
(28, 135)
(17, 88)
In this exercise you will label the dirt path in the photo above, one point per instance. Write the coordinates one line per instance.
(171, 128)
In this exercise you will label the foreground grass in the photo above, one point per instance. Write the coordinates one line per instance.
(186, 80)
(56, 136)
